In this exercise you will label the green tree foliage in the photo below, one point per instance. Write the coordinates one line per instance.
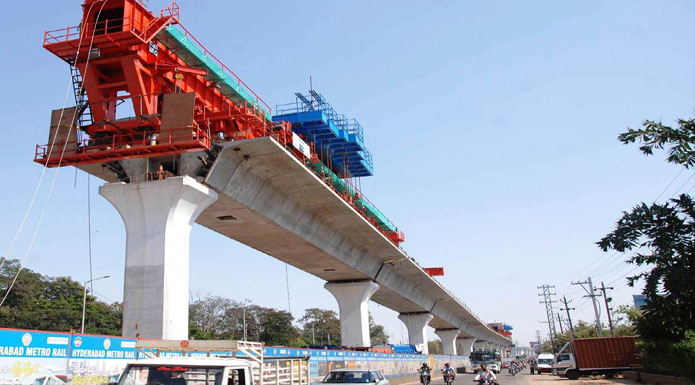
(277, 329)
(435, 347)
(662, 237)
(55, 304)
(320, 327)
(654, 135)
(377, 335)
(218, 318)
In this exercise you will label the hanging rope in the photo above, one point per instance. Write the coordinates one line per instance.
(60, 161)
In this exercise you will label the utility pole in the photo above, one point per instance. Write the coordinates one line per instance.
(569, 319)
(607, 299)
(548, 301)
(592, 296)
(559, 321)
(538, 339)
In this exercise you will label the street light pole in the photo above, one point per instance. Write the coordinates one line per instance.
(84, 299)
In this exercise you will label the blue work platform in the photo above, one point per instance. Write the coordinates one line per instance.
(335, 137)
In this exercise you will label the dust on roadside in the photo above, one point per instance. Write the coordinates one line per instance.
(595, 380)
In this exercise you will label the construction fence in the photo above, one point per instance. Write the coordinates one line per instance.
(30, 357)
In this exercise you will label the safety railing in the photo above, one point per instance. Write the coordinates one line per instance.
(209, 54)
(121, 142)
(97, 28)
(172, 11)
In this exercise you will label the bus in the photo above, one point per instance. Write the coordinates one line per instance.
(491, 358)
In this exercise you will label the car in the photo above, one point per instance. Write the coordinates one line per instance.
(355, 376)
(505, 365)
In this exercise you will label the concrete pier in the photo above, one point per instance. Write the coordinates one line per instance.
(353, 300)
(416, 323)
(158, 216)
(448, 338)
(464, 346)
(480, 345)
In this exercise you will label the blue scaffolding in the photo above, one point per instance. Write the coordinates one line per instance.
(338, 139)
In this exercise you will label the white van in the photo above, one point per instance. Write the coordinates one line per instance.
(544, 363)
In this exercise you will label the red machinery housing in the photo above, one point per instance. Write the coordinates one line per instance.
(122, 66)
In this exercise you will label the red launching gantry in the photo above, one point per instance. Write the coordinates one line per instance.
(125, 60)
(145, 87)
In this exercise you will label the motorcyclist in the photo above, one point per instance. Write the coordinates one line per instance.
(485, 376)
(449, 370)
(425, 368)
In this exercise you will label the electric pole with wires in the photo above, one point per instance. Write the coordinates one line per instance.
(548, 301)
(607, 299)
(569, 318)
(592, 296)
(559, 321)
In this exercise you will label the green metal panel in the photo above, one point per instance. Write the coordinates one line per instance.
(191, 53)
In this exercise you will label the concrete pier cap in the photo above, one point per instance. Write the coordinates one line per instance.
(353, 303)
(416, 323)
(448, 338)
(158, 216)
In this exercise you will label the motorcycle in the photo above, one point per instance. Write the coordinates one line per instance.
(448, 378)
(514, 369)
(425, 377)
(486, 382)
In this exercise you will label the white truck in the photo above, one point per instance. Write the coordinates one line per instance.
(184, 362)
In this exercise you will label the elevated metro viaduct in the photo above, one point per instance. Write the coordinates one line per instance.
(233, 168)
(259, 194)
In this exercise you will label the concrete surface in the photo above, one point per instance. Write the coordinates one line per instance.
(158, 216)
(448, 338)
(416, 323)
(283, 209)
(353, 303)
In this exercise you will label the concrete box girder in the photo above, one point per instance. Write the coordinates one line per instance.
(319, 226)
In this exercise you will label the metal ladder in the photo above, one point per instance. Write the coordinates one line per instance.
(83, 113)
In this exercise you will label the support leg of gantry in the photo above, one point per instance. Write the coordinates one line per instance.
(448, 338)
(416, 323)
(158, 216)
(353, 300)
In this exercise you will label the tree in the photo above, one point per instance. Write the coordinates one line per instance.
(277, 329)
(662, 237)
(435, 347)
(377, 335)
(213, 317)
(48, 303)
(320, 327)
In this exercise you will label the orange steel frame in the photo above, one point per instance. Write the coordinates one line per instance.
(124, 64)
(119, 34)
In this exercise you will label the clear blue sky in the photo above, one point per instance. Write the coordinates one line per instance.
(493, 127)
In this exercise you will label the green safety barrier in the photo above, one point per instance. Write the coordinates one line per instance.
(340, 185)
(191, 53)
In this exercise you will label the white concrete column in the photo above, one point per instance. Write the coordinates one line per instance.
(158, 216)
(353, 300)
(416, 323)
(479, 345)
(448, 338)
(465, 346)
